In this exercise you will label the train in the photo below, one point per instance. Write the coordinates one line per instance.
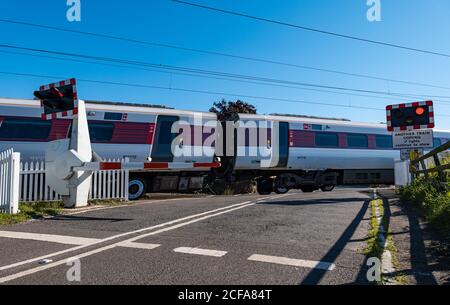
(279, 152)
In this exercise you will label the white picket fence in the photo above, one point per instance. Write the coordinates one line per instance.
(9, 181)
(33, 186)
(111, 184)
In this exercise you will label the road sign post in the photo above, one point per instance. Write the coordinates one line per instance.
(411, 126)
(413, 139)
(61, 100)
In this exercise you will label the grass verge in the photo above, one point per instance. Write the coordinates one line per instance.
(433, 200)
(37, 210)
(32, 210)
(380, 239)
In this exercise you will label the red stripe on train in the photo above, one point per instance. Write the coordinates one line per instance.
(206, 164)
(110, 166)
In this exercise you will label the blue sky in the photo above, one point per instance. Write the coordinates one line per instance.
(419, 24)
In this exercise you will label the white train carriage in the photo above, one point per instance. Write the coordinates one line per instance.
(282, 152)
(117, 131)
(315, 153)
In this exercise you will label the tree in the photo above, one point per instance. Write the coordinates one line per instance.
(228, 110)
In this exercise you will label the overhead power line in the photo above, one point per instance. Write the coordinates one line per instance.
(241, 57)
(391, 98)
(296, 26)
(216, 73)
(266, 98)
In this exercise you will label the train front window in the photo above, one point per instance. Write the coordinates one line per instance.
(327, 139)
(384, 141)
(357, 141)
(31, 129)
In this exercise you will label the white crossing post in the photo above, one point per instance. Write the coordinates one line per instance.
(15, 180)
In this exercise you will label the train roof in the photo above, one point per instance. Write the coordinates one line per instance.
(323, 121)
(112, 106)
(159, 109)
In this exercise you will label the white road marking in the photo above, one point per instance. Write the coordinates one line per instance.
(98, 250)
(119, 235)
(273, 197)
(101, 208)
(292, 262)
(130, 244)
(61, 239)
(198, 251)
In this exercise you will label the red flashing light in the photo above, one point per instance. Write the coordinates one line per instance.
(420, 110)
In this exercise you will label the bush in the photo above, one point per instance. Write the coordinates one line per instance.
(433, 200)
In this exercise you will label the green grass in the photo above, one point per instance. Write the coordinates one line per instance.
(433, 200)
(374, 248)
(32, 211)
(36, 210)
(374, 245)
(107, 202)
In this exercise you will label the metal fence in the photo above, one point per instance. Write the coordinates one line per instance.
(112, 184)
(9, 181)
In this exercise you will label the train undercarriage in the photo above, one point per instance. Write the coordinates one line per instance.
(307, 181)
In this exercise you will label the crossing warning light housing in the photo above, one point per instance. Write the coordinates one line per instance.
(58, 99)
(418, 115)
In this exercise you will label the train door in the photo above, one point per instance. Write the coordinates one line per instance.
(283, 141)
(161, 150)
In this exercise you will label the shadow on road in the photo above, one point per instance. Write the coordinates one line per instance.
(315, 276)
(420, 270)
(84, 218)
(312, 201)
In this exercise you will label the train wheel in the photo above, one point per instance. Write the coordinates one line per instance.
(327, 188)
(136, 188)
(281, 189)
(264, 187)
(308, 189)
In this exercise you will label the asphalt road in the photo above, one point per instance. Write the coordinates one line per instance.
(298, 238)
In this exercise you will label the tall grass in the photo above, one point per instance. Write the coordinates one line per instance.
(433, 199)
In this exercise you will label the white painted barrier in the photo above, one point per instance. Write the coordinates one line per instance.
(33, 186)
(112, 184)
(402, 174)
(9, 181)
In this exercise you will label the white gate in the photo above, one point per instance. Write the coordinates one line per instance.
(112, 184)
(9, 181)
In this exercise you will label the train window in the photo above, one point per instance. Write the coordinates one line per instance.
(375, 176)
(101, 132)
(362, 176)
(384, 141)
(113, 116)
(326, 139)
(98, 131)
(357, 141)
(436, 142)
(32, 129)
(165, 135)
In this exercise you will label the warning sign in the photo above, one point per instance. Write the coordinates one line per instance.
(405, 154)
(413, 139)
